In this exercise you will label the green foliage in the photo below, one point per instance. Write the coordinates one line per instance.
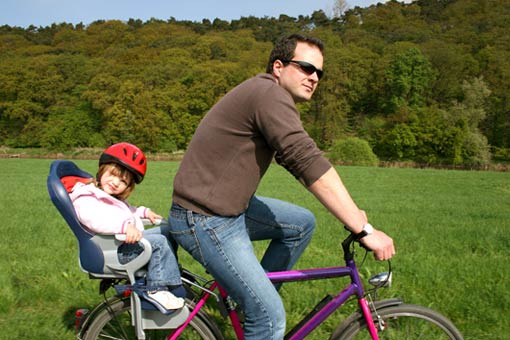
(352, 151)
(469, 114)
(407, 80)
(502, 154)
(435, 136)
(68, 128)
(399, 143)
(425, 81)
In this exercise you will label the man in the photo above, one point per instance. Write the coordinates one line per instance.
(215, 213)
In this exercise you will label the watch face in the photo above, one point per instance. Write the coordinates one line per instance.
(368, 228)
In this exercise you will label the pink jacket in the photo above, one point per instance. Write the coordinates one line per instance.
(102, 213)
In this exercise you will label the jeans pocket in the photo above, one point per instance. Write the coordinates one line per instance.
(225, 229)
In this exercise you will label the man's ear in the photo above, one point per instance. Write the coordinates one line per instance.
(277, 68)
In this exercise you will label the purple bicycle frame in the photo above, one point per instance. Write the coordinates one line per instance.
(353, 288)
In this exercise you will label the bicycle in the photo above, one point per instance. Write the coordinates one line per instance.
(125, 315)
(384, 319)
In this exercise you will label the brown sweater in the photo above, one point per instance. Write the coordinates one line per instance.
(235, 143)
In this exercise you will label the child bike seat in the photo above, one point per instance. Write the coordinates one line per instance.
(97, 253)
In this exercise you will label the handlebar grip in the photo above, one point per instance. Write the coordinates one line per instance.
(357, 238)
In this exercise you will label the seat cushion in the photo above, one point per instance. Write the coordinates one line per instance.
(70, 181)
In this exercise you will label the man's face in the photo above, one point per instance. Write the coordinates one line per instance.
(300, 81)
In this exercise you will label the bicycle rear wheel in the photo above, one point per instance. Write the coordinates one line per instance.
(114, 322)
(400, 322)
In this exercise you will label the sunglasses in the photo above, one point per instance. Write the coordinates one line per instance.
(306, 67)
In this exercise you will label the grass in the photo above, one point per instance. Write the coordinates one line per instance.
(451, 229)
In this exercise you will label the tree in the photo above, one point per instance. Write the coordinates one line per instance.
(395, 75)
(339, 8)
(408, 79)
(469, 113)
(496, 73)
(452, 63)
(70, 127)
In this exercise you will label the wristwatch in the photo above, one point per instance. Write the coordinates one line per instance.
(367, 230)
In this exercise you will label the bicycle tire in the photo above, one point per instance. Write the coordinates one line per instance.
(114, 322)
(404, 321)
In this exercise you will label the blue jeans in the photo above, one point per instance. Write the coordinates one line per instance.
(163, 269)
(223, 246)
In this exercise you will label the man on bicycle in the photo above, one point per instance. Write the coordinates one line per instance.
(215, 214)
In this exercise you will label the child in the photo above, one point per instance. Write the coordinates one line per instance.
(102, 208)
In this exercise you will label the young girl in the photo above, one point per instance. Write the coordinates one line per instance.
(101, 207)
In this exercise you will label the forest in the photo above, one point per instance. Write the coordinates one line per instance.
(425, 82)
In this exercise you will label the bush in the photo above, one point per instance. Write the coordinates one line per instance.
(476, 149)
(352, 151)
(501, 154)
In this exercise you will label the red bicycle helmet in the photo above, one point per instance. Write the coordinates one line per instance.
(127, 155)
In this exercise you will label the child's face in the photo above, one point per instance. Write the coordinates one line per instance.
(113, 184)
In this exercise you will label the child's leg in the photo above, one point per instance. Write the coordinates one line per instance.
(162, 272)
(163, 269)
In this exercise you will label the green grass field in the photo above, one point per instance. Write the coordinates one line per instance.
(451, 229)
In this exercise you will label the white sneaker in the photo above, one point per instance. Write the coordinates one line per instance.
(165, 299)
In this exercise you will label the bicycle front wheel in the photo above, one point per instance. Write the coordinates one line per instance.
(114, 322)
(410, 322)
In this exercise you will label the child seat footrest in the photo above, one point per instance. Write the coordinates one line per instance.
(141, 291)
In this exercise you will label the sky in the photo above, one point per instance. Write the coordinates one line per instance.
(23, 13)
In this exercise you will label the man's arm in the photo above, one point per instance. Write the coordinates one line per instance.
(331, 192)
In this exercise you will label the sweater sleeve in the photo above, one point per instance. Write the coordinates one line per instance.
(142, 212)
(279, 121)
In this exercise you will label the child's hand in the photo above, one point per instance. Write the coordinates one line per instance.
(152, 216)
(133, 235)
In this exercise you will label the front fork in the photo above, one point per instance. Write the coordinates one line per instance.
(370, 312)
(365, 309)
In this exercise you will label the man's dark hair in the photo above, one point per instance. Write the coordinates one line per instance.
(284, 49)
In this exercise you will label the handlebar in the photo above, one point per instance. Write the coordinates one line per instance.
(346, 245)
(378, 280)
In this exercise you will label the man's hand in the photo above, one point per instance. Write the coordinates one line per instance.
(381, 244)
